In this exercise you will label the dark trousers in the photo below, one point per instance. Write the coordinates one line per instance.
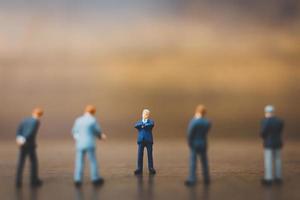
(24, 152)
(193, 164)
(141, 147)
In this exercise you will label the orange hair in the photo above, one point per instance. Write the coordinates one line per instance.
(38, 111)
(90, 109)
(201, 109)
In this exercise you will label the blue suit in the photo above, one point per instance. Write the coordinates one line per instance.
(271, 132)
(197, 140)
(145, 139)
(28, 130)
(85, 131)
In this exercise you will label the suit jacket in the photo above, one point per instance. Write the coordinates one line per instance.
(271, 132)
(28, 129)
(85, 131)
(197, 133)
(145, 131)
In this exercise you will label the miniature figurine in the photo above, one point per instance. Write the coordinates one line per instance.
(85, 131)
(26, 140)
(145, 139)
(197, 141)
(271, 133)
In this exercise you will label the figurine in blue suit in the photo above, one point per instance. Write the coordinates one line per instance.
(271, 133)
(26, 140)
(145, 139)
(197, 140)
(85, 132)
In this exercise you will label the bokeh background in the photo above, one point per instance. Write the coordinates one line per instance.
(235, 56)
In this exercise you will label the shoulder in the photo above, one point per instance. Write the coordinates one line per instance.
(24, 122)
(196, 122)
(264, 120)
(31, 120)
(193, 121)
(279, 120)
(207, 121)
(91, 119)
(78, 119)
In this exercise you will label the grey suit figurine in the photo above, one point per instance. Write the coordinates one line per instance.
(271, 133)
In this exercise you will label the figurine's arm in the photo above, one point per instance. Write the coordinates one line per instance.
(97, 130)
(190, 132)
(20, 139)
(149, 124)
(209, 127)
(30, 129)
(25, 131)
(264, 128)
(138, 125)
(75, 130)
(282, 126)
(20, 130)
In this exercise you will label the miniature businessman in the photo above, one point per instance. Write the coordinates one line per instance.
(197, 140)
(85, 131)
(26, 140)
(145, 139)
(271, 132)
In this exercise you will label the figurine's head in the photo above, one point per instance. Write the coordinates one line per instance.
(269, 111)
(200, 111)
(37, 113)
(146, 114)
(90, 109)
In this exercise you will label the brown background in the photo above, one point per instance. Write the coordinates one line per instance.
(168, 56)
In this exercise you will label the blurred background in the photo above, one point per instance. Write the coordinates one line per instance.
(234, 56)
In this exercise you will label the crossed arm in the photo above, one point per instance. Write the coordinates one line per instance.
(140, 125)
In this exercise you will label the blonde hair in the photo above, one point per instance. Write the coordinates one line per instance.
(146, 110)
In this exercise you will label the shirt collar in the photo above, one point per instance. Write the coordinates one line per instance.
(88, 114)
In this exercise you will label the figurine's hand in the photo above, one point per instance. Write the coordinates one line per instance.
(20, 141)
(103, 136)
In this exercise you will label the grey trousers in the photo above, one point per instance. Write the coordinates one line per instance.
(270, 156)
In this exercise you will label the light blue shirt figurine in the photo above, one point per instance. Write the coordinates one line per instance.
(85, 131)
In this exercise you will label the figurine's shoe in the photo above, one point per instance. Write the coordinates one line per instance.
(152, 171)
(190, 183)
(77, 184)
(98, 182)
(207, 182)
(18, 184)
(266, 182)
(278, 181)
(37, 183)
(138, 172)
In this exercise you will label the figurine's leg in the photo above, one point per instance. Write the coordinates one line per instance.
(93, 164)
(278, 165)
(34, 165)
(79, 165)
(205, 168)
(268, 165)
(140, 156)
(193, 166)
(20, 166)
(150, 156)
